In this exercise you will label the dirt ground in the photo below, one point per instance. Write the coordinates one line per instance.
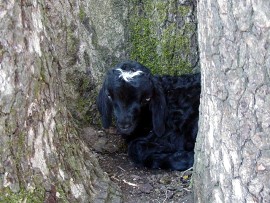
(138, 185)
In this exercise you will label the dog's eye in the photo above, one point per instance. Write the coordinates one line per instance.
(109, 96)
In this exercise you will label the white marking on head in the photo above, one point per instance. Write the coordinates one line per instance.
(128, 75)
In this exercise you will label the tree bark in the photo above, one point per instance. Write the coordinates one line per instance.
(42, 156)
(163, 35)
(233, 146)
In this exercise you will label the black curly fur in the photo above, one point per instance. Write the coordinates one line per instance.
(157, 115)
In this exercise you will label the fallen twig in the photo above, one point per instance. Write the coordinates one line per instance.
(129, 183)
(166, 197)
(183, 172)
(113, 177)
(121, 168)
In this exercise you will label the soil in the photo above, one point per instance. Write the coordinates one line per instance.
(138, 185)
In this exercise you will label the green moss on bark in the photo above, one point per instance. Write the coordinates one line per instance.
(83, 108)
(35, 196)
(82, 14)
(156, 38)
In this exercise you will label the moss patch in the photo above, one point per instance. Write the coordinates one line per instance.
(82, 14)
(83, 109)
(158, 36)
(73, 43)
(36, 196)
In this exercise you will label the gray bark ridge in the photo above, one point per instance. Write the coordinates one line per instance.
(233, 146)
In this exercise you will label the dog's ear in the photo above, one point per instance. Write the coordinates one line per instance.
(105, 106)
(158, 108)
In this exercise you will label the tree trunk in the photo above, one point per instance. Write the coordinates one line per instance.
(233, 145)
(41, 43)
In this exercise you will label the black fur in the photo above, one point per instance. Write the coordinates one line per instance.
(157, 115)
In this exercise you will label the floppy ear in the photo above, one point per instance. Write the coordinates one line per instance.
(104, 107)
(159, 109)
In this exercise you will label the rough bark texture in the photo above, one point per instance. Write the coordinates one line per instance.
(233, 146)
(41, 44)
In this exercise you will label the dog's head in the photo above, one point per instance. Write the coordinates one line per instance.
(128, 90)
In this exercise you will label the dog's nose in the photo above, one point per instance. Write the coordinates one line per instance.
(124, 126)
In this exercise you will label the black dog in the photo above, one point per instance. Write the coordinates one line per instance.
(157, 115)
